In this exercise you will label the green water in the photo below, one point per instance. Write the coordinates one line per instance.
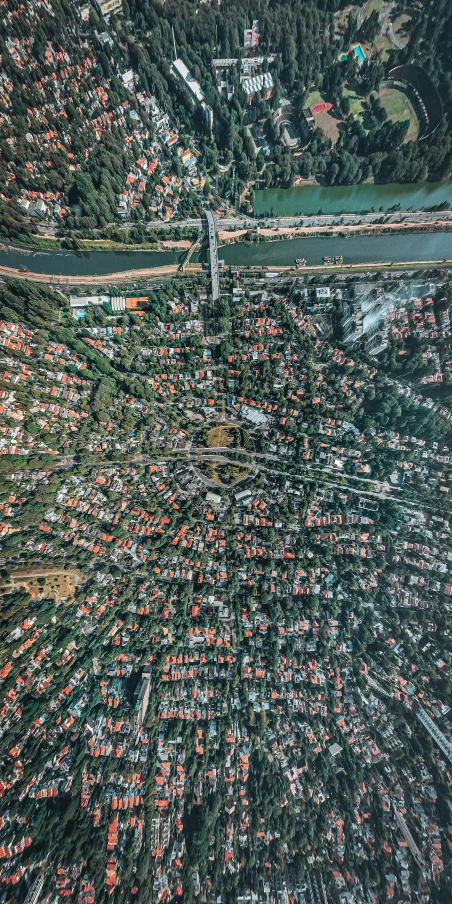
(310, 199)
(356, 249)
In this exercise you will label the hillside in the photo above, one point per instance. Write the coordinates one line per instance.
(96, 131)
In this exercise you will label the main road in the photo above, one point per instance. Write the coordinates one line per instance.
(243, 221)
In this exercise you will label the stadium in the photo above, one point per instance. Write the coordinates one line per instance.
(419, 88)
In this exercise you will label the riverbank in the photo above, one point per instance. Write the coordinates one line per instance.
(120, 277)
(134, 276)
(52, 243)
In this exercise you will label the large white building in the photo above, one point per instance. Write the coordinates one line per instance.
(193, 87)
(258, 83)
(81, 302)
(443, 743)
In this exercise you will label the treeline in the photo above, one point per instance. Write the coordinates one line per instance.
(28, 302)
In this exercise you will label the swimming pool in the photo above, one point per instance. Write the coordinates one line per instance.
(359, 53)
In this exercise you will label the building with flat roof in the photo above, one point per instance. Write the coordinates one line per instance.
(443, 743)
(193, 87)
(106, 7)
(251, 36)
(85, 301)
(141, 696)
(263, 82)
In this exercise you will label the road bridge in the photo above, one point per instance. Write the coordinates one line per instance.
(214, 269)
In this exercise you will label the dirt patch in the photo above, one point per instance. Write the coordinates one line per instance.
(228, 435)
(372, 5)
(341, 17)
(170, 244)
(41, 583)
(329, 124)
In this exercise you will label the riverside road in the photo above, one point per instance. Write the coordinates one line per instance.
(419, 217)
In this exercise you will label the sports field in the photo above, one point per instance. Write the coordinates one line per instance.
(398, 107)
(326, 120)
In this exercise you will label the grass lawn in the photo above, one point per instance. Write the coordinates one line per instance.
(396, 104)
(356, 102)
(383, 45)
(401, 28)
(398, 107)
(314, 97)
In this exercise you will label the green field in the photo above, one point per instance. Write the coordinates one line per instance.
(398, 107)
(314, 97)
(356, 102)
(371, 5)
(396, 104)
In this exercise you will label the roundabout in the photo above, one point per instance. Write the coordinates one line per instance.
(219, 468)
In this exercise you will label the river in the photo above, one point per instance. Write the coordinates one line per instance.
(86, 263)
(355, 249)
(310, 199)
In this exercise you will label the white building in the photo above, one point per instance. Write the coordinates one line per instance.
(263, 82)
(443, 743)
(85, 301)
(193, 87)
